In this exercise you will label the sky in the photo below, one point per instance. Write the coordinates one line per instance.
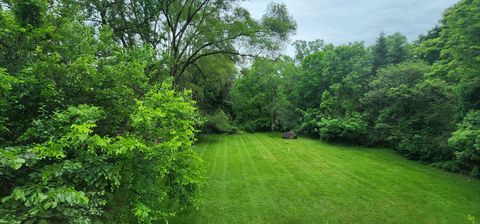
(345, 21)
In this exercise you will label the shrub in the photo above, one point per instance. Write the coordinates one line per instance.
(466, 143)
(67, 177)
(70, 173)
(350, 129)
(219, 122)
(309, 121)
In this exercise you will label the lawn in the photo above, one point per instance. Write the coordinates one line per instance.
(261, 178)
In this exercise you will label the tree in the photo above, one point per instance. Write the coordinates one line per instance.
(259, 98)
(411, 112)
(428, 46)
(211, 82)
(183, 32)
(380, 51)
(343, 71)
(398, 51)
(459, 53)
(7, 99)
(72, 172)
(305, 48)
(466, 143)
(330, 86)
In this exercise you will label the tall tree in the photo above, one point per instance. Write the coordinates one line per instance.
(380, 52)
(341, 70)
(459, 57)
(398, 48)
(392, 49)
(185, 31)
(260, 98)
(211, 82)
(428, 46)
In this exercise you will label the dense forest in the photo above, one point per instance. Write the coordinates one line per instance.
(101, 102)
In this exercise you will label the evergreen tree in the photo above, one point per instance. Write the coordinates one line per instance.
(380, 52)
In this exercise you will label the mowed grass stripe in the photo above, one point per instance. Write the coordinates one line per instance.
(307, 175)
(279, 163)
(294, 193)
(265, 179)
(258, 193)
(246, 182)
(271, 174)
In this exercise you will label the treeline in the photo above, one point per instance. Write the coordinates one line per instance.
(421, 99)
(100, 102)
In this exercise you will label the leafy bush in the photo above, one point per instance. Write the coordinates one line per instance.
(164, 173)
(466, 143)
(67, 177)
(219, 122)
(351, 129)
(309, 122)
(6, 98)
(88, 130)
(71, 173)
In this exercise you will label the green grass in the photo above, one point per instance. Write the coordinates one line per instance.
(261, 178)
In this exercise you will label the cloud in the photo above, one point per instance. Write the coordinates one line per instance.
(344, 21)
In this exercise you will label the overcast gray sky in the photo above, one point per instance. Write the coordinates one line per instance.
(344, 21)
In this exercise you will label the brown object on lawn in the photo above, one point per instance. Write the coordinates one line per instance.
(289, 135)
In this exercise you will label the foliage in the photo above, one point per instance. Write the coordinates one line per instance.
(351, 128)
(66, 177)
(459, 53)
(305, 48)
(328, 88)
(219, 122)
(165, 174)
(428, 48)
(309, 121)
(85, 121)
(398, 49)
(392, 49)
(211, 81)
(466, 143)
(183, 32)
(6, 99)
(72, 173)
(410, 111)
(380, 51)
(342, 71)
(260, 100)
